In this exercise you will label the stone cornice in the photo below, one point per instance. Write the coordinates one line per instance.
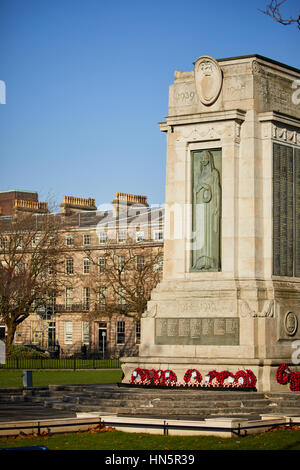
(273, 116)
(215, 116)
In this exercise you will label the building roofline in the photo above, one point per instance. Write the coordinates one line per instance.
(19, 191)
(258, 56)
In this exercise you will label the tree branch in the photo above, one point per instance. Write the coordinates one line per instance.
(273, 10)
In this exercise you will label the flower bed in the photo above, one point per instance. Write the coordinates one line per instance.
(224, 380)
(284, 375)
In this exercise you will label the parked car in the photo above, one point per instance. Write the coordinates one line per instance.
(37, 349)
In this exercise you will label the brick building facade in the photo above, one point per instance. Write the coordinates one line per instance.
(11, 201)
(78, 313)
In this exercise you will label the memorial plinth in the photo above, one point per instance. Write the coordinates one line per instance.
(230, 294)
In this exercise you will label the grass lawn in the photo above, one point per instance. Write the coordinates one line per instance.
(13, 378)
(117, 440)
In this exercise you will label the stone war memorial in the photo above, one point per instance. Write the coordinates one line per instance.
(229, 299)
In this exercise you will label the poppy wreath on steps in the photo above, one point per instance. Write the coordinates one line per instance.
(192, 374)
(295, 381)
(213, 374)
(168, 377)
(283, 374)
(151, 375)
(225, 374)
(252, 378)
(139, 375)
(242, 378)
(163, 377)
(157, 377)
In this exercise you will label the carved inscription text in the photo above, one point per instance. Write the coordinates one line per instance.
(193, 331)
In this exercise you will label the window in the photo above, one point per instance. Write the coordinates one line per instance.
(35, 328)
(20, 265)
(18, 335)
(3, 243)
(69, 240)
(86, 266)
(69, 298)
(68, 332)
(2, 332)
(35, 241)
(51, 333)
(121, 297)
(85, 332)
(140, 261)
(102, 264)
(158, 265)
(19, 243)
(140, 236)
(139, 291)
(52, 240)
(51, 303)
(69, 266)
(86, 298)
(86, 239)
(102, 237)
(102, 338)
(102, 298)
(138, 332)
(52, 267)
(120, 332)
(158, 235)
(122, 236)
(121, 264)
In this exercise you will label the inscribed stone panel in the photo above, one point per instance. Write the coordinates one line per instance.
(193, 331)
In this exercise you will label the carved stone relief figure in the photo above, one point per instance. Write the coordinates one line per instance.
(206, 212)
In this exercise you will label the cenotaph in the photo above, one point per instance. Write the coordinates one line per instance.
(230, 293)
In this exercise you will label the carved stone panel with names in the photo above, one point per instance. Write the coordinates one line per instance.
(193, 331)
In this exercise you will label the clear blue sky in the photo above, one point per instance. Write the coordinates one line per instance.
(87, 83)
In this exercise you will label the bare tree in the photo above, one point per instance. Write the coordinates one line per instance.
(123, 278)
(29, 263)
(273, 10)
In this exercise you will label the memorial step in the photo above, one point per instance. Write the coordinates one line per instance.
(157, 403)
(174, 397)
(198, 404)
(137, 409)
(198, 412)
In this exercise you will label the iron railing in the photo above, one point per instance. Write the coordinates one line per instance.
(240, 431)
(70, 363)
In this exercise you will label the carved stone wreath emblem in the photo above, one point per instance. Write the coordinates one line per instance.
(208, 79)
(290, 323)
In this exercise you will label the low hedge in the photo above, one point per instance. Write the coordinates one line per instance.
(18, 351)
